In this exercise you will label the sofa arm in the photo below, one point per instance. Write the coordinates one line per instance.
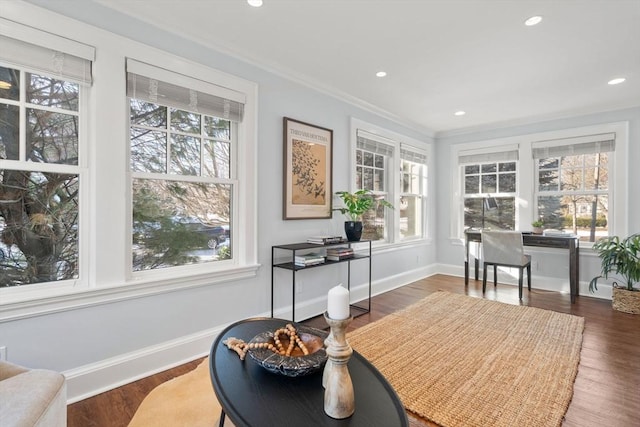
(33, 397)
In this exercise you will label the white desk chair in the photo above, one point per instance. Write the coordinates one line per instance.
(504, 248)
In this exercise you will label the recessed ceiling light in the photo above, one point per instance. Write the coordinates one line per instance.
(460, 113)
(381, 74)
(534, 20)
(255, 3)
(616, 81)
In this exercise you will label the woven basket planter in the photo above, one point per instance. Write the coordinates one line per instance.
(626, 301)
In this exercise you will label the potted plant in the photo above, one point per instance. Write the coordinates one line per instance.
(355, 205)
(622, 257)
(537, 226)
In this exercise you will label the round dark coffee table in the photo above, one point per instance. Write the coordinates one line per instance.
(251, 396)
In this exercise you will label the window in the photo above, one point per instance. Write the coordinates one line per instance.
(413, 187)
(42, 123)
(396, 172)
(373, 164)
(489, 188)
(573, 192)
(183, 135)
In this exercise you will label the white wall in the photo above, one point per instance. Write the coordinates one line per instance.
(550, 266)
(99, 346)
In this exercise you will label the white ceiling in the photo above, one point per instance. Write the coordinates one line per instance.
(441, 56)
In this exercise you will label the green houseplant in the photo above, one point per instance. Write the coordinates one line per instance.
(622, 257)
(357, 204)
(537, 226)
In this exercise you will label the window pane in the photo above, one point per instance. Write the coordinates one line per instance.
(489, 168)
(472, 169)
(359, 157)
(185, 121)
(51, 92)
(368, 158)
(571, 179)
(379, 161)
(359, 177)
(185, 155)
(586, 216)
(488, 184)
(217, 128)
(216, 159)
(507, 167)
(507, 182)
(596, 178)
(9, 83)
(374, 222)
(472, 184)
(148, 151)
(548, 180)
(410, 216)
(53, 137)
(550, 163)
(502, 218)
(9, 132)
(39, 239)
(379, 180)
(148, 114)
(367, 175)
(179, 223)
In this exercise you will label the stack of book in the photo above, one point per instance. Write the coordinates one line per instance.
(324, 240)
(308, 259)
(337, 254)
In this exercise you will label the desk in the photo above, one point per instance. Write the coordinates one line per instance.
(252, 396)
(571, 243)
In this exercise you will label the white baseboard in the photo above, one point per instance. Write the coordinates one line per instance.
(508, 276)
(90, 380)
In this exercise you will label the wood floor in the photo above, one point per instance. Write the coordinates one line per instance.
(606, 390)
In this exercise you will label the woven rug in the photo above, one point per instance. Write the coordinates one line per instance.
(185, 401)
(463, 361)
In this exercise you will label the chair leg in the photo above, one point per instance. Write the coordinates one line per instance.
(484, 278)
(495, 275)
(520, 283)
(529, 276)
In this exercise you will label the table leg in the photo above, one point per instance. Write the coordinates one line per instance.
(477, 267)
(222, 416)
(574, 285)
(466, 273)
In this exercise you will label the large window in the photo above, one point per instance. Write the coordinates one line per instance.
(489, 188)
(413, 190)
(42, 97)
(396, 172)
(183, 150)
(573, 192)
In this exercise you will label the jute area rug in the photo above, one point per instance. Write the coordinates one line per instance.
(463, 361)
(185, 401)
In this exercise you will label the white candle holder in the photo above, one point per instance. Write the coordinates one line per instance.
(339, 400)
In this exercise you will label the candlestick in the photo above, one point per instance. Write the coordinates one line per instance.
(339, 399)
(338, 303)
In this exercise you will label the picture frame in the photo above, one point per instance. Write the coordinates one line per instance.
(308, 170)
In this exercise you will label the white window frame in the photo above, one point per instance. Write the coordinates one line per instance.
(526, 181)
(104, 272)
(395, 141)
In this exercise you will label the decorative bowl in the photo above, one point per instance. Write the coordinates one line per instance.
(297, 364)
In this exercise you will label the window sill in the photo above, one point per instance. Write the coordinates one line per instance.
(384, 247)
(66, 298)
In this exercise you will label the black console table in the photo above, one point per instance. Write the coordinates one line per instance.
(251, 396)
(297, 248)
(571, 243)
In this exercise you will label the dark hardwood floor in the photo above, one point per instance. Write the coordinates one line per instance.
(606, 390)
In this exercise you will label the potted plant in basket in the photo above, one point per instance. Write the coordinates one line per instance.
(355, 205)
(621, 256)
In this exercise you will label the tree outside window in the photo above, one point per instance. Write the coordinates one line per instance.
(39, 178)
(496, 180)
